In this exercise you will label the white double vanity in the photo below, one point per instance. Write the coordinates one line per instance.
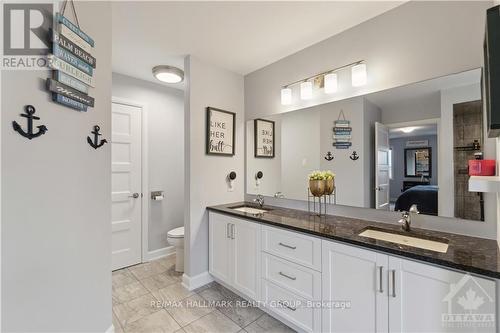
(319, 284)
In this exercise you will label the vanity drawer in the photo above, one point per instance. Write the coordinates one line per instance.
(293, 246)
(300, 280)
(291, 307)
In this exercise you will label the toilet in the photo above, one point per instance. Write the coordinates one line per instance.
(175, 237)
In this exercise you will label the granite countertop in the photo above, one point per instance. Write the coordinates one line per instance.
(470, 254)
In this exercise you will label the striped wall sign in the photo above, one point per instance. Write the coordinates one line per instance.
(58, 64)
(69, 102)
(73, 48)
(71, 82)
(72, 60)
(69, 92)
(74, 38)
(63, 20)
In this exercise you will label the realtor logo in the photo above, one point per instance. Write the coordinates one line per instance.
(470, 305)
(26, 38)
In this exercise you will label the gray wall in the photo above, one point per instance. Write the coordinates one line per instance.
(56, 201)
(205, 181)
(165, 127)
(414, 42)
(398, 146)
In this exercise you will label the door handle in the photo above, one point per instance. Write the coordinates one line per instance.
(288, 276)
(134, 195)
(393, 276)
(232, 231)
(287, 246)
(228, 231)
(380, 279)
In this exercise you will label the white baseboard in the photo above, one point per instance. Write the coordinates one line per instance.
(160, 253)
(111, 329)
(196, 281)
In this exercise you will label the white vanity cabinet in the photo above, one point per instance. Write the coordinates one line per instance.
(391, 294)
(234, 253)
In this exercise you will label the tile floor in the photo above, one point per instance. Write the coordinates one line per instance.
(150, 298)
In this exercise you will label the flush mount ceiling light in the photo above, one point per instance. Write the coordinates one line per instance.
(327, 79)
(408, 129)
(168, 74)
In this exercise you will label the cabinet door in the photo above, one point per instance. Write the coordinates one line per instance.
(246, 258)
(425, 298)
(359, 278)
(219, 247)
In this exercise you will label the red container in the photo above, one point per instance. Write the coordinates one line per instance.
(482, 167)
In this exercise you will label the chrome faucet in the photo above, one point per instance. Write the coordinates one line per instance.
(406, 217)
(259, 200)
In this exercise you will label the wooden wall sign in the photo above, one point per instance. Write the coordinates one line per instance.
(263, 138)
(342, 132)
(69, 92)
(72, 62)
(221, 127)
(65, 43)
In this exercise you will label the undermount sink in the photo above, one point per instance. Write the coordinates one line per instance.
(250, 210)
(392, 237)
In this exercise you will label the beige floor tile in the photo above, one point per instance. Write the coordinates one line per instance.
(116, 324)
(158, 322)
(267, 324)
(128, 292)
(241, 312)
(135, 309)
(159, 281)
(189, 309)
(217, 293)
(146, 270)
(122, 278)
(167, 261)
(174, 292)
(215, 322)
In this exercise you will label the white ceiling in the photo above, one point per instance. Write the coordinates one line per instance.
(239, 36)
(420, 130)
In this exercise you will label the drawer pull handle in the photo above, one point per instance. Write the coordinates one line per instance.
(380, 281)
(393, 274)
(282, 303)
(288, 276)
(287, 246)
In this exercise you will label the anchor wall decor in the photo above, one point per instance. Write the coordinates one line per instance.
(30, 115)
(354, 156)
(96, 144)
(329, 156)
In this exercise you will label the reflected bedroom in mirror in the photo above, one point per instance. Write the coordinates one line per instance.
(387, 150)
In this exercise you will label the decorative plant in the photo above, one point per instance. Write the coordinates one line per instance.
(321, 175)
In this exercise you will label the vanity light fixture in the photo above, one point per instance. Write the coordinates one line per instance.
(168, 74)
(327, 79)
(358, 75)
(331, 83)
(286, 96)
(306, 90)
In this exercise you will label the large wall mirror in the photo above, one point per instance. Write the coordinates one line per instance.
(403, 146)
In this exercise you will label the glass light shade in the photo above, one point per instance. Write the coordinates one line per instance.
(331, 83)
(168, 74)
(358, 74)
(286, 96)
(306, 90)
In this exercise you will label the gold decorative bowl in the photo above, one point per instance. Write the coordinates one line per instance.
(329, 186)
(317, 187)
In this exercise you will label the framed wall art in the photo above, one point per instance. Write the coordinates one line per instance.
(264, 138)
(220, 132)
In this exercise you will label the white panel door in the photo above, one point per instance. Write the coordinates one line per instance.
(425, 298)
(126, 185)
(382, 165)
(359, 277)
(219, 246)
(246, 258)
